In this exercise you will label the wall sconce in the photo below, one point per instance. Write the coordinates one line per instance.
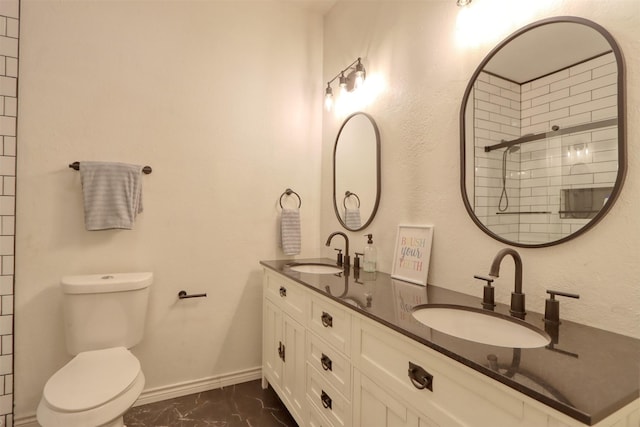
(352, 80)
(578, 152)
(462, 3)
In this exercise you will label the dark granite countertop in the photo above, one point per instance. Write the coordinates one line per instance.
(586, 373)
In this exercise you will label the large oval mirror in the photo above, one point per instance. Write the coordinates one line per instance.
(542, 128)
(356, 172)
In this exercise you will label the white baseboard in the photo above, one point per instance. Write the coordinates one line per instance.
(159, 394)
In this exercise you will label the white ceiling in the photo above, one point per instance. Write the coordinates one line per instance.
(546, 49)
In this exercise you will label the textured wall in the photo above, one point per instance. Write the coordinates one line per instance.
(223, 100)
(426, 52)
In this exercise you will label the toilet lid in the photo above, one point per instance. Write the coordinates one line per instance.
(91, 379)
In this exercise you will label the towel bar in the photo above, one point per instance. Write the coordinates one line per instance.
(76, 165)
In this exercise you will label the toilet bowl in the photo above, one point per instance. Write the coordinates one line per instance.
(94, 389)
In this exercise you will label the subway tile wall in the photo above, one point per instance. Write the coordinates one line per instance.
(9, 31)
(540, 171)
(497, 117)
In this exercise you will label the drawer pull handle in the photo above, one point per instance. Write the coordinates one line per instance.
(326, 362)
(281, 351)
(420, 378)
(326, 400)
(327, 320)
(283, 291)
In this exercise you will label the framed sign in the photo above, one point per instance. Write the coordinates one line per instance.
(412, 254)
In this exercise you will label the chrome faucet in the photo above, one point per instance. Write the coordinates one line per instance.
(517, 297)
(346, 259)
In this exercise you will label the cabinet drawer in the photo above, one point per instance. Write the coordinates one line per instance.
(327, 400)
(330, 322)
(315, 417)
(458, 395)
(289, 296)
(330, 364)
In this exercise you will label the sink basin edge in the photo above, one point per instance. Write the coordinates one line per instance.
(480, 325)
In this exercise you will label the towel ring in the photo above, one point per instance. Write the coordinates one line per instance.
(348, 194)
(289, 192)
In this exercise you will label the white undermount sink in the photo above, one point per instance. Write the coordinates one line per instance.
(482, 326)
(315, 268)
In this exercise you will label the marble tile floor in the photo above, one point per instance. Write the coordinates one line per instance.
(240, 405)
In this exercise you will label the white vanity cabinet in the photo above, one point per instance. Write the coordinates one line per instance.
(454, 395)
(341, 368)
(283, 341)
(329, 368)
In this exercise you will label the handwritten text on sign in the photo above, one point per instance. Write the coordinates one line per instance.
(412, 250)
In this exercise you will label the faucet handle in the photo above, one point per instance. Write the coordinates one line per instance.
(356, 260)
(552, 306)
(339, 258)
(486, 279)
(488, 300)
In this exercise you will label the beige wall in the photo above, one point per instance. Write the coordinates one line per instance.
(416, 48)
(223, 100)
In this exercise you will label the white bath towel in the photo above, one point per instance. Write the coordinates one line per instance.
(352, 218)
(112, 194)
(290, 231)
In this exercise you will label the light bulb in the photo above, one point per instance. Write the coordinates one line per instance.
(328, 98)
(343, 84)
(328, 102)
(359, 74)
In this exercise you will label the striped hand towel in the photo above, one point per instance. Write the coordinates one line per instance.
(112, 194)
(352, 218)
(290, 231)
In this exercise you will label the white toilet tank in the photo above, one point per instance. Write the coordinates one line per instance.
(105, 310)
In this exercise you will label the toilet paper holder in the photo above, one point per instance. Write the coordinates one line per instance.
(184, 295)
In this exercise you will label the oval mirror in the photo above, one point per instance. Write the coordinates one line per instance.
(356, 172)
(542, 128)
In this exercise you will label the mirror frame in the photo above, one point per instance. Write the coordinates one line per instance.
(378, 173)
(622, 145)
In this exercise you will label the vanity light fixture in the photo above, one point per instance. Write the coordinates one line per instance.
(462, 3)
(351, 78)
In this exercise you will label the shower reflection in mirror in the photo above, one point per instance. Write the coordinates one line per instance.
(542, 133)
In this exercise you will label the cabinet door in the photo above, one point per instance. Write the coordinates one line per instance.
(374, 407)
(271, 342)
(293, 366)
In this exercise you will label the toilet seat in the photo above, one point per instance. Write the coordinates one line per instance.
(94, 388)
(73, 388)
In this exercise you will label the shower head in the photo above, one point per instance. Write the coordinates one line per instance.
(513, 149)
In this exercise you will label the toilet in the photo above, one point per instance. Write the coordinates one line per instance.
(104, 316)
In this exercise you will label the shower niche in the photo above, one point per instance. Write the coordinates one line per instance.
(583, 203)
